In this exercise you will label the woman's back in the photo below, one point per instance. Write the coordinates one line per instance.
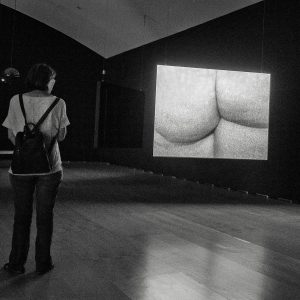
(35, 104)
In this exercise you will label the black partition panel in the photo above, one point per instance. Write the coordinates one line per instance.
(121, 117)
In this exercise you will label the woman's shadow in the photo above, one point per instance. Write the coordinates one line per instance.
(11, 285)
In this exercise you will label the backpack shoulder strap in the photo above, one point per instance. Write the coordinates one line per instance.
(44, 116)
(22, 107)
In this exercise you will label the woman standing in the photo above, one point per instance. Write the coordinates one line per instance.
(40, 82)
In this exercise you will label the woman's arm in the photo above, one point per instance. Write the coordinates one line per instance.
(11, 136)
(62, 134)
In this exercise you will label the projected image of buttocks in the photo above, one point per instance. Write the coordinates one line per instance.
(211, 113)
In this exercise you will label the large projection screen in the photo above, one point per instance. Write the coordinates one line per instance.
(206, 113)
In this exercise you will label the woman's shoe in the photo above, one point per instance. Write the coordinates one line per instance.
(45, 270)
(9, 268)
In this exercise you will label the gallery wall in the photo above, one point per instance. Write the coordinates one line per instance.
(78, 70)
(259, 38)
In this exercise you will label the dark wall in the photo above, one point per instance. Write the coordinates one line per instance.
(77, 67)
(121, 117)
(261, 37)
(237, 41)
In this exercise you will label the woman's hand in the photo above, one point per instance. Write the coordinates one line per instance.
(62, 134)
(11, 136)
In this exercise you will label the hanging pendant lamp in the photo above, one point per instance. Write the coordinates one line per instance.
(10, 72)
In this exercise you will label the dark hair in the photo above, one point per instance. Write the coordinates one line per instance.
(39, 76)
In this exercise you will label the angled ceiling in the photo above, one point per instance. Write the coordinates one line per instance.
(110, 27)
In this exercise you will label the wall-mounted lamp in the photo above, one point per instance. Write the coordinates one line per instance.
(103, 75)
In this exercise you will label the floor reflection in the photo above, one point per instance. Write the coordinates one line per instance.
(126, 234)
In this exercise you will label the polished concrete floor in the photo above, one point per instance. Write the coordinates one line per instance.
(122, 233)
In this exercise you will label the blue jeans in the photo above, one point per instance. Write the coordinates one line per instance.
(45, 188)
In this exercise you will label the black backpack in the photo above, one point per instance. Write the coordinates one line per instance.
(30, 154)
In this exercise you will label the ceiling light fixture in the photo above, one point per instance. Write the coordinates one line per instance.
(10, 73)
